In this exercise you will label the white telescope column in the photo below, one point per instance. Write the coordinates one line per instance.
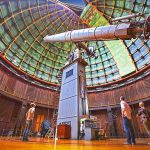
(73, 97)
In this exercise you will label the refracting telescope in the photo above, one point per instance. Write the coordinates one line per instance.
(123, 31)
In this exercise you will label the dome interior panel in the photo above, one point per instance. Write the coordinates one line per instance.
(24, 24)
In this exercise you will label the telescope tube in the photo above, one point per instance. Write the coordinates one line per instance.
(121, 31)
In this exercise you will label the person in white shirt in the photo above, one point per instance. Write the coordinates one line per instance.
(126, 115)
(29, 119)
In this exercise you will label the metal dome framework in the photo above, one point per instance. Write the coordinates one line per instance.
(23, 24)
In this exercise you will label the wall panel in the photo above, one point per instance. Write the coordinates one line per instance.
(11, 85)
(132, 92)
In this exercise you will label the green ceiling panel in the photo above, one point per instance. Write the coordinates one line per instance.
(121, 55)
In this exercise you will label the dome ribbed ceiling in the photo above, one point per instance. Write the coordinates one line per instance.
(24, 24)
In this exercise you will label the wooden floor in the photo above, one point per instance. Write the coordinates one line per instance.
(38, 144)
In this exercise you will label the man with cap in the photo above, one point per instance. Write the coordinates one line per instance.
(29, 119)
(126, 115)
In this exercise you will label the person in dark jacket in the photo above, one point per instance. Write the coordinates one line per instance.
(45, 126)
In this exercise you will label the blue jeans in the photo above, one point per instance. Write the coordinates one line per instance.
(27, 129)
(129, 130)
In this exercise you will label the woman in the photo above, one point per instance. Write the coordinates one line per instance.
(144, 115)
